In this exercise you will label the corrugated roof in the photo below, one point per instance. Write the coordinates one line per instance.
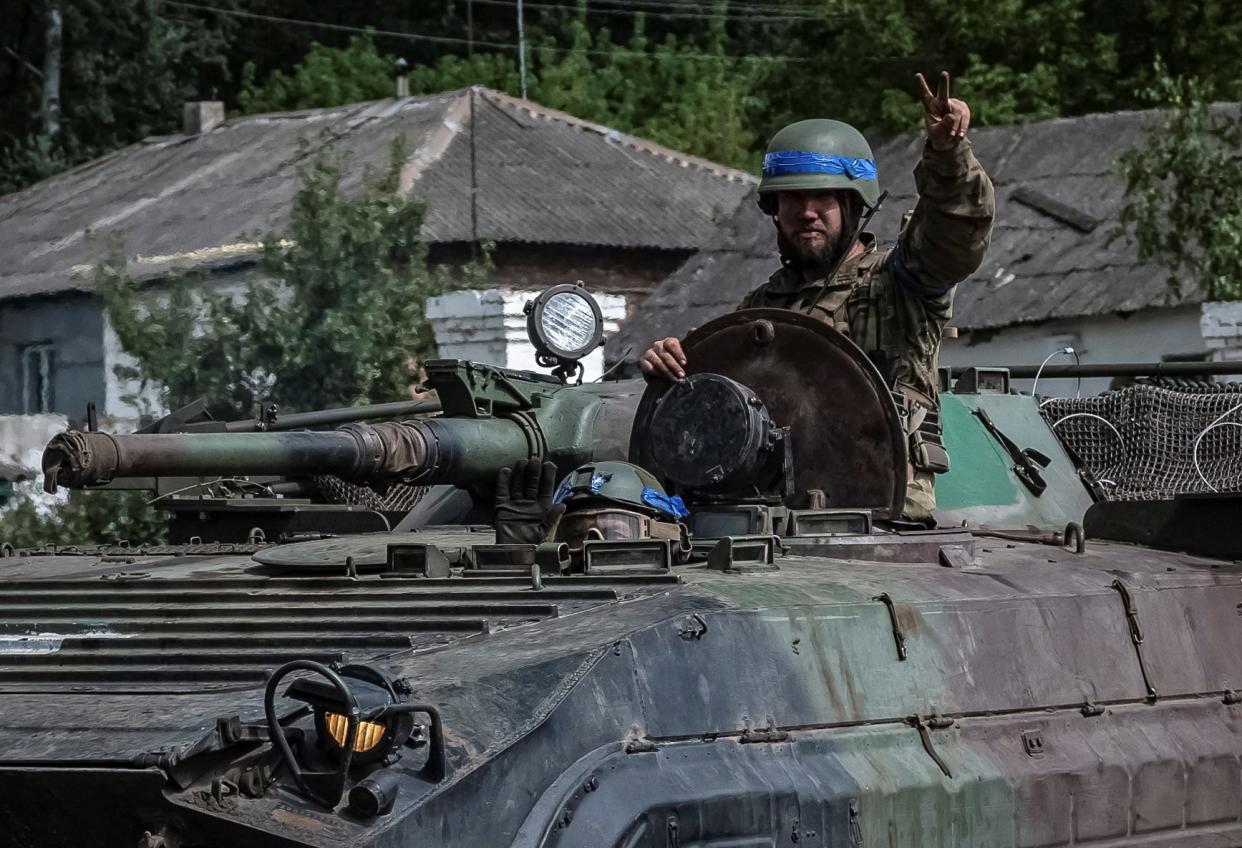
(1054, 253)
(542, 176)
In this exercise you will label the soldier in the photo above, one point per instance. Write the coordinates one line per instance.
(599, 500)
(818, 178)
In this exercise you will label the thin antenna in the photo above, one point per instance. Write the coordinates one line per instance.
(521, 49)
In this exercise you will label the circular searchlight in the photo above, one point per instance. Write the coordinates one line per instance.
(564, 324)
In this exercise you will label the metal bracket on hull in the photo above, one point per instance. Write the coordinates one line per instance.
(898, 636)
(923, 726)
(1136, 635)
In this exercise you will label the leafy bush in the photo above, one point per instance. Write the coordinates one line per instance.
(334, 315)
(87, 518)
(1183, 204)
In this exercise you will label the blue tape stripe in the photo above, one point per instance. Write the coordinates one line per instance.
(670, 505)
(780, 163)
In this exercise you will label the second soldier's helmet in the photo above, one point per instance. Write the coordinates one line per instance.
(818, 154)
(616, 501)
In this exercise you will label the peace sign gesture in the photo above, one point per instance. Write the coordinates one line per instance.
(946, 119)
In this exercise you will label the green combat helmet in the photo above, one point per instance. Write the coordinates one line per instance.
(817, 154)
(614, 501)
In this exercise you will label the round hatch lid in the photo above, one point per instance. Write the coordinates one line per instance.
(847, 438)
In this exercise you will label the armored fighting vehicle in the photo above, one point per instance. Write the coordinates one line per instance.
(796, 667)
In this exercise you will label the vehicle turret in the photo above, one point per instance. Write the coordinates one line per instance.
(491, 418)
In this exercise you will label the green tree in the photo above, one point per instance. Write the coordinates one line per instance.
(129, 63)
(687, 96)
(328, 76)
(1011, 60)
(1194, 39)
(333, 316)
(1183, 202)
(683, 95)
(87, 518)
(126, 69)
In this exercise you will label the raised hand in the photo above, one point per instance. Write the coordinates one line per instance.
(525, 513)
(946, 119)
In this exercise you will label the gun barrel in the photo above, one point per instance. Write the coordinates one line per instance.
(575, 428)
(77, 459)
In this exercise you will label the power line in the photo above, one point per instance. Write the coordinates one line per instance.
(746, 17)
(445, 39)
(255, 16)
(713, 8)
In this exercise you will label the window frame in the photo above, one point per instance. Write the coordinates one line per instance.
(37, 359)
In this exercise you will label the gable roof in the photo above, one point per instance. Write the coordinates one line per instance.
(542, 176)
(1054, 253)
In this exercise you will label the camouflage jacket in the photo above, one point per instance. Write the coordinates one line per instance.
(894, 303)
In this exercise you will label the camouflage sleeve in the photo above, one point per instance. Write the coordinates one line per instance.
(948, 233)
(751, 298)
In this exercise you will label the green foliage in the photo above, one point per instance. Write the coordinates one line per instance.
(326, 77)
(690, 98)
(680, 81)
(1194, 39)
(334, 316)
(494, 70)
(687, 97)
(30, 159)
(1183, 202)
(126, 70)
(87, 518)
(1011, 60)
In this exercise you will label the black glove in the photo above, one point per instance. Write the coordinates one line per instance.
(525, 514)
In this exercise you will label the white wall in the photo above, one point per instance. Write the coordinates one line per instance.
(22, 439)
(489, 326)
(1221, 327)
(1146, 336)
(146, 400)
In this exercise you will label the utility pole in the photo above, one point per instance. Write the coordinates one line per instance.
(474, 180)
(521, 49)
(469, 28)
(51, 73)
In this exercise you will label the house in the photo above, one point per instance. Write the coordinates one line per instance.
(562, 199)
(1057, 274)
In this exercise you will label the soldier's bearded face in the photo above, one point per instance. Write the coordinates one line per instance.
(812, 224)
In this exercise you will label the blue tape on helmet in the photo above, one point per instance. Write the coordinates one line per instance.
(668, 504)
(780, 163)
(569, 488)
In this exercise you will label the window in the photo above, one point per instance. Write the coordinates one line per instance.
(36, 362)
